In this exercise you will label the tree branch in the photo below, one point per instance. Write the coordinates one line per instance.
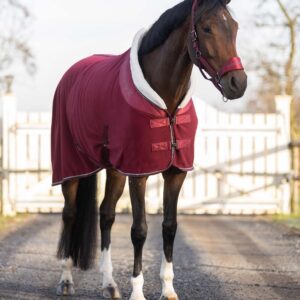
(21, 7)
(14, 21)
(284, 10)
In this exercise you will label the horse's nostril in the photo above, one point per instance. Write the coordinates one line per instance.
(233, 83)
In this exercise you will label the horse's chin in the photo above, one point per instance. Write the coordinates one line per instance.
(234, 96)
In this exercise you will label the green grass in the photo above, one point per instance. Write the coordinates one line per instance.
(292, 221)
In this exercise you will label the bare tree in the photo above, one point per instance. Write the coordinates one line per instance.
(275, 62)
(15, 20)
(278, 63)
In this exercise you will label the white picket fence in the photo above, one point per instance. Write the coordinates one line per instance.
(242, 164)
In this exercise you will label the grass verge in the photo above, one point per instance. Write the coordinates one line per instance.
(292, 221)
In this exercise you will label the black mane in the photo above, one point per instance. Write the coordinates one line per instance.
(172, 19)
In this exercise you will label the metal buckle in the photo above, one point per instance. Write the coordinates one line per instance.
(198, 54)
(225, 100)
(194, 36)
(174, 145)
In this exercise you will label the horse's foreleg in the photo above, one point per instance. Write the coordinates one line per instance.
(173, 180)
(66, 285)
(114, 188)
(137, 186)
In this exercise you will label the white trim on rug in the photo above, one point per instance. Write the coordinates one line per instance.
(140, 82)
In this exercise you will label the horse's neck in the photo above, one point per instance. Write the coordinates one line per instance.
(168, 68)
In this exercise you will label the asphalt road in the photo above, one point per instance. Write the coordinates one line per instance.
(215, 258)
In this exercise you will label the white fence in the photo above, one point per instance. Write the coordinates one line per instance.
(242, 164)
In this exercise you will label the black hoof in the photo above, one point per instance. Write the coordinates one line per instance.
(65, 288)
(111, 292)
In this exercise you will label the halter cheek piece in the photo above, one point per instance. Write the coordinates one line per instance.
(205, 68)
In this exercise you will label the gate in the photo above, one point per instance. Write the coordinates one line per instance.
(26, 171)
(242, 164)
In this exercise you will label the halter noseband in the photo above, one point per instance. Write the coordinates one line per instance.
(205, 68)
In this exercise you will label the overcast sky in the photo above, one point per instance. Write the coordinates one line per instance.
(64, 31)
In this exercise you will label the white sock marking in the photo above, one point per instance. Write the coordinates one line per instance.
(66, 265)
(106, 268)
(137, 288)
(167, 276)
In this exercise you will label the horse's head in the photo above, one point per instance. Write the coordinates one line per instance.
(212, 47)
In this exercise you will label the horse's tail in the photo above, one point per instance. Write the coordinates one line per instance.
(80, 242)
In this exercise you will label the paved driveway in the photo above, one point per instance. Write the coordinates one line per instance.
(215, 258)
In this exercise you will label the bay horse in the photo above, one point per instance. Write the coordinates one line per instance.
(132, 114)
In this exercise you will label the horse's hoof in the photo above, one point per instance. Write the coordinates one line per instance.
(173, 297)
(111, 292)
(137, 297)
(65, 288)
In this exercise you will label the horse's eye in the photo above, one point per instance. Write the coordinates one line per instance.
(206, 29)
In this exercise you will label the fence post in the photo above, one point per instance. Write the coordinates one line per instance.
(296, 181)
(9, 110)
(283, 107)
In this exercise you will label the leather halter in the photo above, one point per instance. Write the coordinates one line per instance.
(205, 68)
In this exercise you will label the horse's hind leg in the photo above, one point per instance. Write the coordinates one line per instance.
(115, 183)
(66, 284)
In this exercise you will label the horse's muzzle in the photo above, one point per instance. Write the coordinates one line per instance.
(234, 84)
